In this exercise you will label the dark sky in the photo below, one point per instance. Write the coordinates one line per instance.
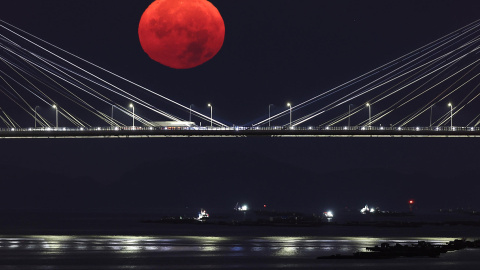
(274, 52)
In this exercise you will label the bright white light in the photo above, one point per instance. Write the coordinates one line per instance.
(116, 128)
(202, 215)
(365, 209)
(471, 128)
(12, 129)
(417, 128)
(82, 128)
(363, 128)
(244, 208)
(310, 128)
(131, 105)
(382, 128)
(345, 128)
(399, 128)
(327, 128)
(328, 214)
(372, 210)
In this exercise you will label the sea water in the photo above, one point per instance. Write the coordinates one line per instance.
(212, 252)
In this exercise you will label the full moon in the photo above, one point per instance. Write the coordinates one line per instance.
(181, 34)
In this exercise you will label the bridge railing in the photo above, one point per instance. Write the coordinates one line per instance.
(242, 128)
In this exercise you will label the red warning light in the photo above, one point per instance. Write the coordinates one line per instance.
(264, 206)
(411, 202)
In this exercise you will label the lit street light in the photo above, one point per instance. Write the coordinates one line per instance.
(133, 114)
(211, 114)
(112, 116)
(369, 116)
(290, 105)
(451, 115)
(349, 113)
(431, 112)
(36, 116)
(56, 115)
(190, 118)
(269, 105)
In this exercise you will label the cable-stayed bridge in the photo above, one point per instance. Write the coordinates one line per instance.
(432, 91)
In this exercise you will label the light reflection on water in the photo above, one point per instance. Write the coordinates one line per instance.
(62, 252)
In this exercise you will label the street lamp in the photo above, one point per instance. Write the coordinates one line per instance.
(133, 114)
(269, 105)
(211, 114)
(56, 114)
(113, 122)
(36, 116)
(451, 115)
(431, 112)
(190, 118)
(290, 106)
(369, 116)
(349, 113)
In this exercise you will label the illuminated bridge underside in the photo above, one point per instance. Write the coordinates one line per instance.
(159, 133)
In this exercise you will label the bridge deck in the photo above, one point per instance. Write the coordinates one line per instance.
(237, 132)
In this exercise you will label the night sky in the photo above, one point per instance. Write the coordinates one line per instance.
(274, 52)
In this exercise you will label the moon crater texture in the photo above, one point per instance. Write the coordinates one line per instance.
(181, 34)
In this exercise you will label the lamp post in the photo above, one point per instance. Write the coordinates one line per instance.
(36, 116)
(269, 105)
(113, 122)
(451, 115)
(133, 114)
(349, 113)
(369, 115)
(431, 113)
(190, 117)
(211, 114)
(56, 115)
(290, 106)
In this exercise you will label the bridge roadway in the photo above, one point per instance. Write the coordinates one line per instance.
(150, 132)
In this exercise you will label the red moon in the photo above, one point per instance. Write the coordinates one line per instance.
(181, 34)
